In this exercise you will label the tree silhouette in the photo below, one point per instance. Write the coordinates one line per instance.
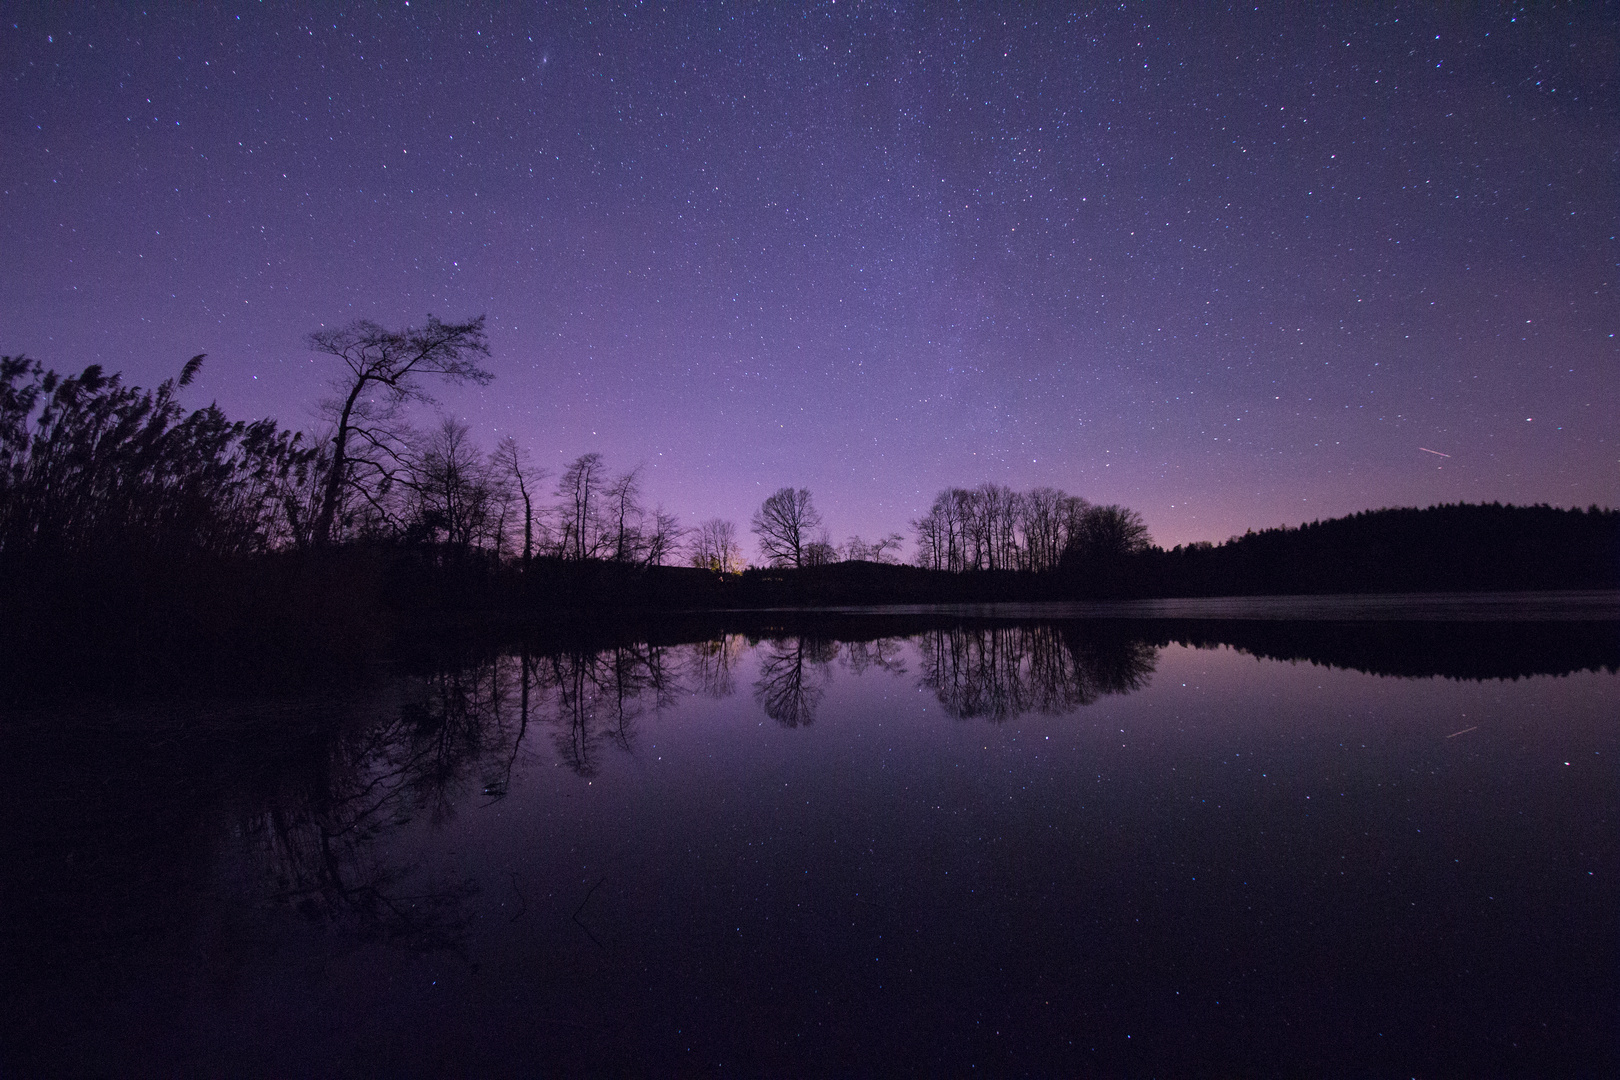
(856, 549)
(879, 549)
(783, 523)
(580, 489)
(1109, 532)
(995, 528)
(456, 491)
(820, 551)
(511, 462)
(385, 371)
(785, 690)
(663, 538)
(714, 547)
(623, 498)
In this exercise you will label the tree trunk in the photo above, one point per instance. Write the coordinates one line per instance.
(334, 481)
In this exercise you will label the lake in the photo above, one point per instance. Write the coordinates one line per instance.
(1228, 842)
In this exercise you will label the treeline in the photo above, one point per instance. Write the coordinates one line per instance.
(92, 470)
(992, 527)
(1459, 547)
(97, 477)
(125, 517)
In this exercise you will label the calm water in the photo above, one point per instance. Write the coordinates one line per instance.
(1044, 847)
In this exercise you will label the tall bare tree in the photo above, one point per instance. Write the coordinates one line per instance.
(783, 523)
(960, 516)
(1042, 525)
(580, 489)
(385, 371)
(930, 541)
(623, 511)
(942, 535)
(513, 463)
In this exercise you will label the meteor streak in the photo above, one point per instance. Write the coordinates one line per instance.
(1436, 453)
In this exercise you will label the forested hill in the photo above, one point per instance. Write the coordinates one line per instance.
(1458, 547)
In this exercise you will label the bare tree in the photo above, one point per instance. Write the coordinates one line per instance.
(858, 550)
(663, 538)
(783, 523)
(996, 528)
(966, 542)
(385, 371)
(580, 489)
(930, 541)
(715, 547)
(820, 551)
(1045, 521)
(623, 506)
(1109, 532)
(993, 519)
(512, 462)
(942, 536)
(1009, 509)
(1073, 510)
(454, 492)
(878, 550)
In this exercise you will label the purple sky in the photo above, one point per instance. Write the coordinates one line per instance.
(1231, 269)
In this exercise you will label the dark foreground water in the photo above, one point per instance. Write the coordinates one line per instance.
(842, 846)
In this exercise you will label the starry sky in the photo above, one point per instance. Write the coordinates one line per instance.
(1233, 268)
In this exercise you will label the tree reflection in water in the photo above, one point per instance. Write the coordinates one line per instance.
(788, 692)
(711, 664)
(319, 836)
(793, 672)
(599, 696)
(1003, 671)
(882, 654)
(320, 839)
(125, 896)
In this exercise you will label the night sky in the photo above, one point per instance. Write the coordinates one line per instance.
(1233, 269)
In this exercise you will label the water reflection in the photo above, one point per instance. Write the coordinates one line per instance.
(465, 726)
(120, 830)
(711, 665)
(598, 697)
(999, 672)
(793, 678)
(885, 654)
(318, 838)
